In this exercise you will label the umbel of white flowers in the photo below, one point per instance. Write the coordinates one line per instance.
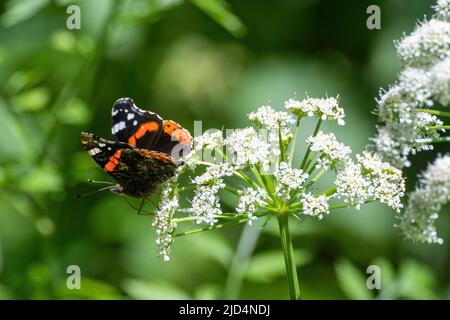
(412, 112)
(433, 191)
(244, 171)
(408, 121)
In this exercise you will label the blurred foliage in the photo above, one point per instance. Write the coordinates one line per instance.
(192, 60)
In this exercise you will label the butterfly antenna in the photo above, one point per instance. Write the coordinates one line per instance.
(93, 192)
(100, 182)
(145, 213)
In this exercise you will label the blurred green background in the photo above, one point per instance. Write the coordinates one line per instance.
(213, 61)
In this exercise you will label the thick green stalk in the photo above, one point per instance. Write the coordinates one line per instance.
(288, 252)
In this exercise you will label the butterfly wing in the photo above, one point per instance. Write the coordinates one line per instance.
(174, 140)
(137, 171)
(132, 125)
(106, 153)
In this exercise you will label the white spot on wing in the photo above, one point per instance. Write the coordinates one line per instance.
(130, 116)
(118, 126)
(94, 151)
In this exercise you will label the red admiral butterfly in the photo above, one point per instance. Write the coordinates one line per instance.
(146, 150)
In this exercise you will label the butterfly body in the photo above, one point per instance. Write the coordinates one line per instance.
(146, 153)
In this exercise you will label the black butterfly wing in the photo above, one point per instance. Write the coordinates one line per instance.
(106, 153)
(137, 171)
(174, 140)
(132, 125)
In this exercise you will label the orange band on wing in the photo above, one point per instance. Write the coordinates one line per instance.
(175, 130)
(151, 126)
(113, 161)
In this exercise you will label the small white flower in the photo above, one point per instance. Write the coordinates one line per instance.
(162, 222)
(442, 10)
(424, 204)
(332, 152)
(440, 81)
(215, 173)
(428, 43)
(325, 108)
(386, 182)
(248, 148)
(288, 179)
(206, 204)
(351, 186)
(208, 139)
(273, 120)
(315, 206)
(249, 201)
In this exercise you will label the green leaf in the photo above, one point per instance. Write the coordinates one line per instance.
(219, 11)
(137, 289)
(268, 265)
(352, 281)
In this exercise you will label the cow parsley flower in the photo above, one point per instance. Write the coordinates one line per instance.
(442, 10)
(206, 204)
(248, 148)
(250, 200)
(163, 222)
(408, 122)
(315, 206)
(370, 179)
(262, 179)
(325, 108)
(288, 179)
(427, 44)
(267, 117)
(214, 174)
(424, 204)
(332, 152)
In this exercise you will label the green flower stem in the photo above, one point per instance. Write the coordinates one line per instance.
(282, 148)
(317, 176)
(231, 190)
(288, 252)
(436, 140)
(329, 192)
(294, 141)
(218, 226)
(308, 150)
(435, 112)
(445, 127)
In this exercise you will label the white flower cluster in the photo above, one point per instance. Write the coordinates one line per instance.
(209, 139)
(288, 179)
(325, 108)
(442, 9)
(315, 206)
(162, 222)
(206, 204)
(267, 117)
(214, 174)
(248, 148)
(424, 204)
(249, 201)
(423, 83)
(370, 179)
(332, 152)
